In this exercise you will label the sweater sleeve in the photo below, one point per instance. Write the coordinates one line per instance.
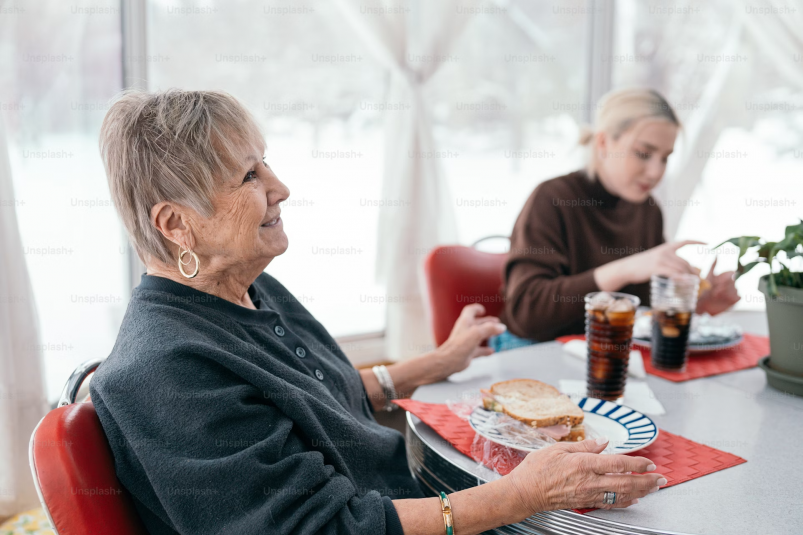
(657, 224)
(216, 456)
(392, 522)
(542, 297)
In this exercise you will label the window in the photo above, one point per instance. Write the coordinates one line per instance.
(320, 101)
(744, 117)
(507, 110)
(62, 64)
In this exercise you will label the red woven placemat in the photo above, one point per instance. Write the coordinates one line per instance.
(746, 355)
(678, 459)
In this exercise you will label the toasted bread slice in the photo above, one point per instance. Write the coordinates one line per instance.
(577, 433)
(534, 403)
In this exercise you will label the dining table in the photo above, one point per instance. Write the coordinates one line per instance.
(735, 412)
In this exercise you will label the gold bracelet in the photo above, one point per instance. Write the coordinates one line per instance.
(446, 508)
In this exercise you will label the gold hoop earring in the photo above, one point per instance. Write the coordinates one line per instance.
(181, 255)
(181, 263)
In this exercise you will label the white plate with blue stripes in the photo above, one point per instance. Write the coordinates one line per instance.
(627, 430)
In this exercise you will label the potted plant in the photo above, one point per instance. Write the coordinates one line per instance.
(783, 290)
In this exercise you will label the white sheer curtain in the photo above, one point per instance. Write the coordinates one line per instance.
(412, 40)
(700, 134)
(774, 37)
(779, 37)
(22, 394)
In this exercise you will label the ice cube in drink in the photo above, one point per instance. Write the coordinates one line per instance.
(670, 339)
(673, 301)
(609, 329)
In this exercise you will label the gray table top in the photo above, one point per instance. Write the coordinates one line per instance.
(737, 413)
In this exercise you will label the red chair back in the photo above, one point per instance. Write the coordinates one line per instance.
(73, 470)
(457, 276)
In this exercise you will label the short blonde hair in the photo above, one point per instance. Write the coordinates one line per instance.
(172, 146)
(620, 110)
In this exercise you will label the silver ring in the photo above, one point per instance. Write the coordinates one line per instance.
(609, 498)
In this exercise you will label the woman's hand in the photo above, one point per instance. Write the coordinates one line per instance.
(660, 260)
(638, 268)
(567, 475)
(721, 295)
(573, 475)
(470, 330)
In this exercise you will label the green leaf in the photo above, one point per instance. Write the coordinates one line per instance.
(766, 249)
(746, 242)
(788, 244)
(780, 274)
(732, 241)
(791, 230)
(742, 269)
(743, 243)
(773, 287)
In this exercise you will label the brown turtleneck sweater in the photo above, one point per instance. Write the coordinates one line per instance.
(569, 226)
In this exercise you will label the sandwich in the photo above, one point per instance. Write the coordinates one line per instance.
(539, 405)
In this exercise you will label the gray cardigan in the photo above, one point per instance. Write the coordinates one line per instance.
(224, 419)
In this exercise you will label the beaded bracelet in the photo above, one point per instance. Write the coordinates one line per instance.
(446, 508)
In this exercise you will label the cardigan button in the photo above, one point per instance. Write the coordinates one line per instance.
(301, 352)
(279, 330)
(319, 375)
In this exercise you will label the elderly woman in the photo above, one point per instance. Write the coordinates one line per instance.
(228, 407)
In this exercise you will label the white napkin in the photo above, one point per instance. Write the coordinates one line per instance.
(635, 366)
(638, 395)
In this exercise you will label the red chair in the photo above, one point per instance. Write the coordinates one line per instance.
(457, 276)
(73, 469)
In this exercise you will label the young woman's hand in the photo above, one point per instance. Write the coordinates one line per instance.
(721, 295)
(660, 260)
(638, 268)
